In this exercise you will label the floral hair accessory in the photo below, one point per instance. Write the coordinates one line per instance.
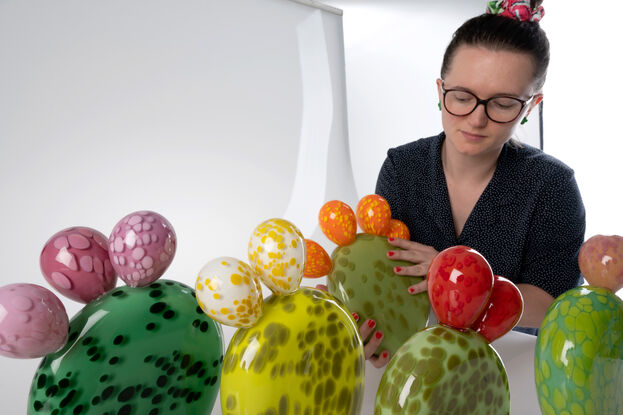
(516, 9)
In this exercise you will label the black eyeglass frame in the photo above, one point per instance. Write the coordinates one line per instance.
(484, 103)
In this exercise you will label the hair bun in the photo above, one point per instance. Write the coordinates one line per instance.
(522, 10)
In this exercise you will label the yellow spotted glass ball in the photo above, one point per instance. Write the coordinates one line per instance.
(229, 292)
(277, 255)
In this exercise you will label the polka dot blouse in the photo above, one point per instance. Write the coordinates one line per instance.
(529, 221)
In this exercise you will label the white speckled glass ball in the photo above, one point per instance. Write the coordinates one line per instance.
(229, 292)
(33, 321)
(141, 247)
(277, 255)
(75, 262)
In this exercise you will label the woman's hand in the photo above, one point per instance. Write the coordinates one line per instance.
(418, 254)
(375, 337)
(365, 330)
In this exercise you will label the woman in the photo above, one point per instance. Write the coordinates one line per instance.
(472, 184)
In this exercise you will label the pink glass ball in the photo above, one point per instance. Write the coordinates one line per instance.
(33, 321)
(75, 262)
(141, 247)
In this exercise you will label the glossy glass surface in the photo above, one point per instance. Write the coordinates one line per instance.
(502, 312)
(148, 350)
(373, 215)
(33, 321)
(363, 279)
(579, 354)
(601, 261)
(338, 222)
(460, 282)
(304, 356)
(441, 370)
(398, 229)
(229, 292)
(277, 255)
(318, 262)
(141, 247)
(75, 262)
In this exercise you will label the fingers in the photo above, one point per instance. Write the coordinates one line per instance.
(371, 338)
(366, 329)
(409, 245)
(418, 288)
(373, 344)
(374, 339)
(418, 270)
(380, 360)
(402, 243)
(411, 251)
(409, 256)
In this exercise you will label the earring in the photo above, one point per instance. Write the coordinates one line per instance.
(525, 120)
(439, 105)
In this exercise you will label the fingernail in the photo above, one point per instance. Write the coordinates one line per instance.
(398, 269)
(384, 355)
(390, 253)
(390, 239)
(411, 290)
(378, 334)
(371, 323)
(356, 316)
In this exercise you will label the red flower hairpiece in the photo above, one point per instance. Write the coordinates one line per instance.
(516, 9)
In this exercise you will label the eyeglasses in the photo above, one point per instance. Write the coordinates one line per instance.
(500, 109)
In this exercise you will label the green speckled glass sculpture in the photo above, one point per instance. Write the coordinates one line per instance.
(441, 370)
(364, 280)
(579, 354)
(303, 356)
(139, 351)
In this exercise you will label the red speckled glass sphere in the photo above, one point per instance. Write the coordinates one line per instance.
(460, 282)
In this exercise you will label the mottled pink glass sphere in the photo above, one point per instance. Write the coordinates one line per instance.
(141, 247)
(75, 262)
(33, 321)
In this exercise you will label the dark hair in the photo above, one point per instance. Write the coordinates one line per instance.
(497, 32)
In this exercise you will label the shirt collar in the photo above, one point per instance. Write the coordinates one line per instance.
(499, 192)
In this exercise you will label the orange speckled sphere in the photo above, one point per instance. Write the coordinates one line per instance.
(373, 215)
(318, 263)
(398, 229)
(337, 221)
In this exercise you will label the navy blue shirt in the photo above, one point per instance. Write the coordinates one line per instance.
(528, 223)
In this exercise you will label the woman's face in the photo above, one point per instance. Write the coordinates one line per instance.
(485, 73)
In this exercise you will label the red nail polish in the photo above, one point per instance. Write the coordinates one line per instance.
(384, 355)
(398, 269)
(411, 290)
(390, 253)
(390, 239)
(371, 323)
(356, 316)
(378, 334)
